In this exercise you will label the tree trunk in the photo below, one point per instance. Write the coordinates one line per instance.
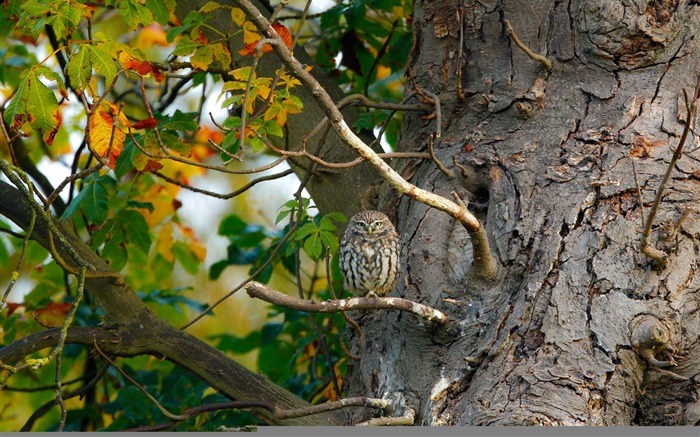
(568, 332)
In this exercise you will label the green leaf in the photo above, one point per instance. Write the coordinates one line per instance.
(187, 259)
(140, 205)
(185, 46)
(272, 128)
(125, 160)
(256, 144)
(270, 331)
(79, 68)
(93, 200)
(114, 251)
(235, 344)
(305, 231)
(238, 256)
(202, 58)
(232, 225)
(325, 224)
(36, 103)
(134, 14)
(179, 121)
(313, 246)
(329, 239)
(102, 61)
(136, 229)
(161, 9)
(217, 268)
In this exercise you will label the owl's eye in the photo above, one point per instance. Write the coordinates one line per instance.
(377, 224)
(362, 224)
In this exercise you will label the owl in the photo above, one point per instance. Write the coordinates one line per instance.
(369, 254)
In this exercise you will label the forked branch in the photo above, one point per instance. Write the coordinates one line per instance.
(466, 218)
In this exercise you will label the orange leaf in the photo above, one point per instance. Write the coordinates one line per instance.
(281, 30)
(196, 246)
(201, 38)
(152, 166)
(52, 315)
(148, 123)
(12, 307)
(105, 137)
(141, 67)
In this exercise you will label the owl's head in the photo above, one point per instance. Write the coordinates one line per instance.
(372, 223)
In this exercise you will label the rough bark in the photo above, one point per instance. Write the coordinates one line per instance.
(547, 159)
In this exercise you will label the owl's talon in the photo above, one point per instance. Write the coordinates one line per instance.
(372, 295)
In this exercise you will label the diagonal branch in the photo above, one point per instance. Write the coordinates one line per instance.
(466, 218)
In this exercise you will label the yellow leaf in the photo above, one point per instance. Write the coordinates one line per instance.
(151, 36)
(250, 33)
(164, 242)
(241, 74)
(52, 315)
(237, 16)
(106, 138)
(163, 200)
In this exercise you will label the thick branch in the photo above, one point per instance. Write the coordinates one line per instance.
(140, 331)
(261, 291)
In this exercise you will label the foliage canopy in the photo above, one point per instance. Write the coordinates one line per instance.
(132, 104)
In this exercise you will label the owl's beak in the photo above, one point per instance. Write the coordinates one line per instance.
(370, 229)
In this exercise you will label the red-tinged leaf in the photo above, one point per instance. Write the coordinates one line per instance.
(12, 307)
(52, 315)
(148, 123)
(281, 30)
(201, 38)
(152, 166)
(143, 68)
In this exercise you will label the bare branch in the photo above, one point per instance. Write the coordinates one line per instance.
(408, 419)
(336, 118)
(263, 292)
(652, 252)
(539, 58)
(230, 195)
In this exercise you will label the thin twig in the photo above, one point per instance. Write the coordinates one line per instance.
(263, 292)
(658, 255)
(460, 92)
(339, 165)
(161, 408)
(45, 408)
(449, 173)
(230, 195)
(297, 261)
(539, 58)
(15, 273)
(260, 269)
